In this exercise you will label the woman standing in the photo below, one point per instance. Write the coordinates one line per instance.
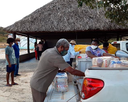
(35, 45)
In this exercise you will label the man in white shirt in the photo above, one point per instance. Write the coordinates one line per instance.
(71, 52)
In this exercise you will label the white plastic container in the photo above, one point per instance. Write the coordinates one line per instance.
(60, 82)
(83, 62)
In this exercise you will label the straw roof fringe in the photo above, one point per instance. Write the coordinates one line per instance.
(61, 16)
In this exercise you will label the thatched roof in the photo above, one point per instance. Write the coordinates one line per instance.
(63, 16)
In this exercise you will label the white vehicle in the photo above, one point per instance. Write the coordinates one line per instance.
(99, 85)
(121, 45)
(105, 85)
(102, 84)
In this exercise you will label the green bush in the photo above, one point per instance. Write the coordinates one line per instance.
(3, 39)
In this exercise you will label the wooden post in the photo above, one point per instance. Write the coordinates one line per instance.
(14, 35)
(120, 38)
(36, 39)
(117, 37)
(28, 44)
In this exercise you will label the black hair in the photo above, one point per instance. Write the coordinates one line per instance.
(105, 44)
(10, 40)
(96, 41)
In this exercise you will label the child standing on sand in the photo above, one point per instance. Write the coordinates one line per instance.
(10, 62)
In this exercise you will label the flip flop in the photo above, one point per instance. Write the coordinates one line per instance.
(15, 84)
(8, 85)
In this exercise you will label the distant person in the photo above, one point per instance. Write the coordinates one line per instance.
(17, 53)
(39, 49)
(70, 52)
(50, 62)
(45, 45)
(10, 62)
(73, 43)
(35, 46)
(105, 46)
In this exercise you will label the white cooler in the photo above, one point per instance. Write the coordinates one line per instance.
(83, 62)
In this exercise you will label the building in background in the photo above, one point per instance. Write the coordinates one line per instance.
(23, 42)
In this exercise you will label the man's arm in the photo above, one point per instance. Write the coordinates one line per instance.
(90, 54)
(14, 47)
(107, 54)
(8, 60)
(74, 71)
(72, 51)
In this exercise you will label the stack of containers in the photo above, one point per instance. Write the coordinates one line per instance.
(102, 61)
(109, 62)
(60, 82)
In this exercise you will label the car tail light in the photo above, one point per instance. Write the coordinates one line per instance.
(79, 57)
(91, 87)
(115, 43)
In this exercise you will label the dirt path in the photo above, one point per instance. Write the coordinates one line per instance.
(16, 93)
(21, 92)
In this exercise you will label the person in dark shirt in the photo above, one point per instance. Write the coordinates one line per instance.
(17, 50)
(105, 46)
(35, 46)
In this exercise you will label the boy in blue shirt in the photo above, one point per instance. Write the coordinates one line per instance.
(10, 62)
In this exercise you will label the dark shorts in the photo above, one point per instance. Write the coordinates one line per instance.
(10, 69)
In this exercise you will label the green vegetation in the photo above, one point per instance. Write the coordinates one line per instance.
(116, 10)
(112, 39)
(3, 38)
(3, 35)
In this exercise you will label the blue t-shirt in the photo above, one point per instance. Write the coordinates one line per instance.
(16, 49)
(98, 52)
(10, 52)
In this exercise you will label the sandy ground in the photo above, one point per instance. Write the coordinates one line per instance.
(17, 93)
(21, 92)
(3, 45)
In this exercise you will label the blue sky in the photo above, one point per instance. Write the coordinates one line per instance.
(14, 10)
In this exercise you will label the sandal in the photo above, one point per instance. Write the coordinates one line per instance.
(8, 85)
(15, 84)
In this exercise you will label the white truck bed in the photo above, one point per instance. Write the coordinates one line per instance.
(69, 96)
(73, 93)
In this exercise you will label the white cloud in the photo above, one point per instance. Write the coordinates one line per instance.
(14, 10)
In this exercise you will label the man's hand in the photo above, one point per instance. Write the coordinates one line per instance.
(117, 57)
(74, 71)
(61, 71)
